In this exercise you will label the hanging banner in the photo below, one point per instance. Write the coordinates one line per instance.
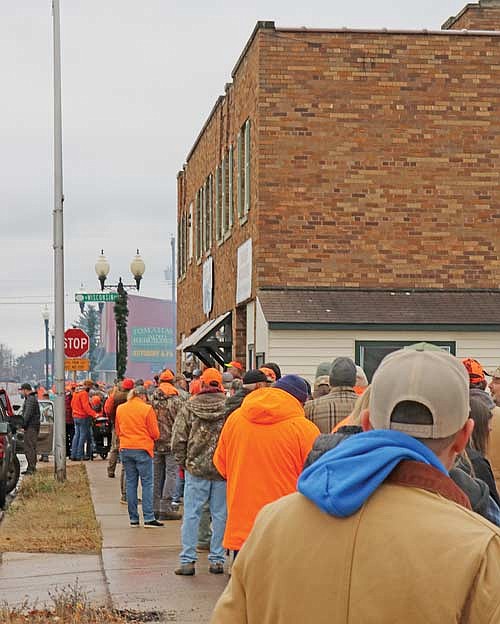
(244, 272)
(208, 285)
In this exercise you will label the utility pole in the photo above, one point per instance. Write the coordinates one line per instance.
(58, 222)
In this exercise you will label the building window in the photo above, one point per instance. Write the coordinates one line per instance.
(369, 353)
(179, 247)
(243, 194)
(230, 205)
(223, 194)
(207, 211)
(190, 227)
(185, 242)
(199, 225)
(218, 204)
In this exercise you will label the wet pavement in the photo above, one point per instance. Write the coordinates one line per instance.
(134, 571)
(139, 563)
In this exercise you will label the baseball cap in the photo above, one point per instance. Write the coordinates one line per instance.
(212, 377)
(25, 386)
(493, 372)
(166, 375)
(433, 378)
(322, 380)
(128, 384)
(343, 372)
(234, 364)
(475, 370)
(197, 372)
(254, 376)
(269, 373)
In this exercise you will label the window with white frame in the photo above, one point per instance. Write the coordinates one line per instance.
(230, 206)
(207, 205)
(190, 226)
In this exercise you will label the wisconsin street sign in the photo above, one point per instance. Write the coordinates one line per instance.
(95, 297)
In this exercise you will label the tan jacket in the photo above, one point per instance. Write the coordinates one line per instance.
(494, 444)
(409, 556)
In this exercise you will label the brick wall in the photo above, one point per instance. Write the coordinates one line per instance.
(379, 160)
(239, 104)
(483, 16)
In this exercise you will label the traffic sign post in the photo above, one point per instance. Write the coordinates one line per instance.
(76, 343)
(96, 297)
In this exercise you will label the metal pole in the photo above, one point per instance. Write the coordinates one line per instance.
(52, 362)
(58, 222)
(46, 321)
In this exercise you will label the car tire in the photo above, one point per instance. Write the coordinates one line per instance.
(13, 475)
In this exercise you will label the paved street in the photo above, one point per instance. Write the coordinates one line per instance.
(135, 571)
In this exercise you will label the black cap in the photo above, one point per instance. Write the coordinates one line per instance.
(26, 386)
(254, 376)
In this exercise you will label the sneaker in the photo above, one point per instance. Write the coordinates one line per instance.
(123, 501)
(185, 569)
(203, 548)
(153, 524)
(111, 475)
(170, 515)
(175, 505)
(216, 568)
(28, 471)
(135, 524)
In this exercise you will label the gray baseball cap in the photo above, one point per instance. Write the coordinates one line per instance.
(433, 378)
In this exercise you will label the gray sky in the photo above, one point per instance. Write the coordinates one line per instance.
(139, 79)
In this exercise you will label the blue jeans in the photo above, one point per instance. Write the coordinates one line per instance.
(138, 463)
(81, 435)
(179, 488)
(196, 493)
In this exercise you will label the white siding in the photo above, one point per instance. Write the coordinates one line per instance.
(300, 351)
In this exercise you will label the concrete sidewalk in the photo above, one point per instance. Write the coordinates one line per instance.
(139, 563)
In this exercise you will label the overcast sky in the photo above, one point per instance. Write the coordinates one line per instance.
(139, 78)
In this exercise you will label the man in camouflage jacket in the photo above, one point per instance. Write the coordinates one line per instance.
(166, 402)
(194, 439)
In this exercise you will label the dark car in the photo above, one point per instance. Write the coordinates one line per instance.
(9, 463)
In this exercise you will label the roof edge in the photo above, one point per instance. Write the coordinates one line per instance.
(387, 31)
(451, 20)
(220, 99)
(473, 327)
(260, 25)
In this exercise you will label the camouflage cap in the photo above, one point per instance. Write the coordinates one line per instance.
(493, 372)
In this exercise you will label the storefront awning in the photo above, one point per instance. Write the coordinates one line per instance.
(206, 344)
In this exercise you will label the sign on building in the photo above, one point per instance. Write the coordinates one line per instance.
(244, 272)
(208, 285)
(152, 344)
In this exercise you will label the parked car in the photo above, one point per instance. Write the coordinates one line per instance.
(9, 463)
(45, 443)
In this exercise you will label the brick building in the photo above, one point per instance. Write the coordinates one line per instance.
(342, 198)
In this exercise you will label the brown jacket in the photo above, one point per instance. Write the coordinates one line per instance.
(412, 555)
(329, 410)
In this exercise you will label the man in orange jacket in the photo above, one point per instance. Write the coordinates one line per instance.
(261, 452)
(82, 415)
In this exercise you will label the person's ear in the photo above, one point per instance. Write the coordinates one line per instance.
(365, 420)
(463, 436)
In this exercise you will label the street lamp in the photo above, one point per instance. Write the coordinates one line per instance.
(45, 316)
(137, 268)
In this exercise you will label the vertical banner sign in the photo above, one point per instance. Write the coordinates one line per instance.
(208, 285)
(244, 272)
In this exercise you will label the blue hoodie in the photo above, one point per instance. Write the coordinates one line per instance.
(345, 477)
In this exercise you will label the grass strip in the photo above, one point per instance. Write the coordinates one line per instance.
(51, 517)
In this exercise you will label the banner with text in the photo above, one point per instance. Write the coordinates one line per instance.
(152, 344)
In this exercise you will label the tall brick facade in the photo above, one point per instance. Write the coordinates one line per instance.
(374, 161)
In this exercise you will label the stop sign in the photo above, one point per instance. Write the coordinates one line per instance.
(76, 343)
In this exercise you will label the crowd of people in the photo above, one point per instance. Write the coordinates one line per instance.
(321, 496)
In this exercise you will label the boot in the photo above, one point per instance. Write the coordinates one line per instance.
(185, 569)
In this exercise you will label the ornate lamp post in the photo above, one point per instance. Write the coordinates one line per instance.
(137, 268)
(46, 316)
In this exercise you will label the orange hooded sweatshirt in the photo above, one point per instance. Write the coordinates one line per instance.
(261, 453)
(136, 425)
(80, 405)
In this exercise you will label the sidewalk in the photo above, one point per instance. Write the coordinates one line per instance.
(139, 563)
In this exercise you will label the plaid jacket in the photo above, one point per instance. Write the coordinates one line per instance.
(329, 410)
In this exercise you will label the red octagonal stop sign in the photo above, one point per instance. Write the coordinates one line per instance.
(76, 343)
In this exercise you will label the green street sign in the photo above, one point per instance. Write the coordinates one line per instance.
(96, 297)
